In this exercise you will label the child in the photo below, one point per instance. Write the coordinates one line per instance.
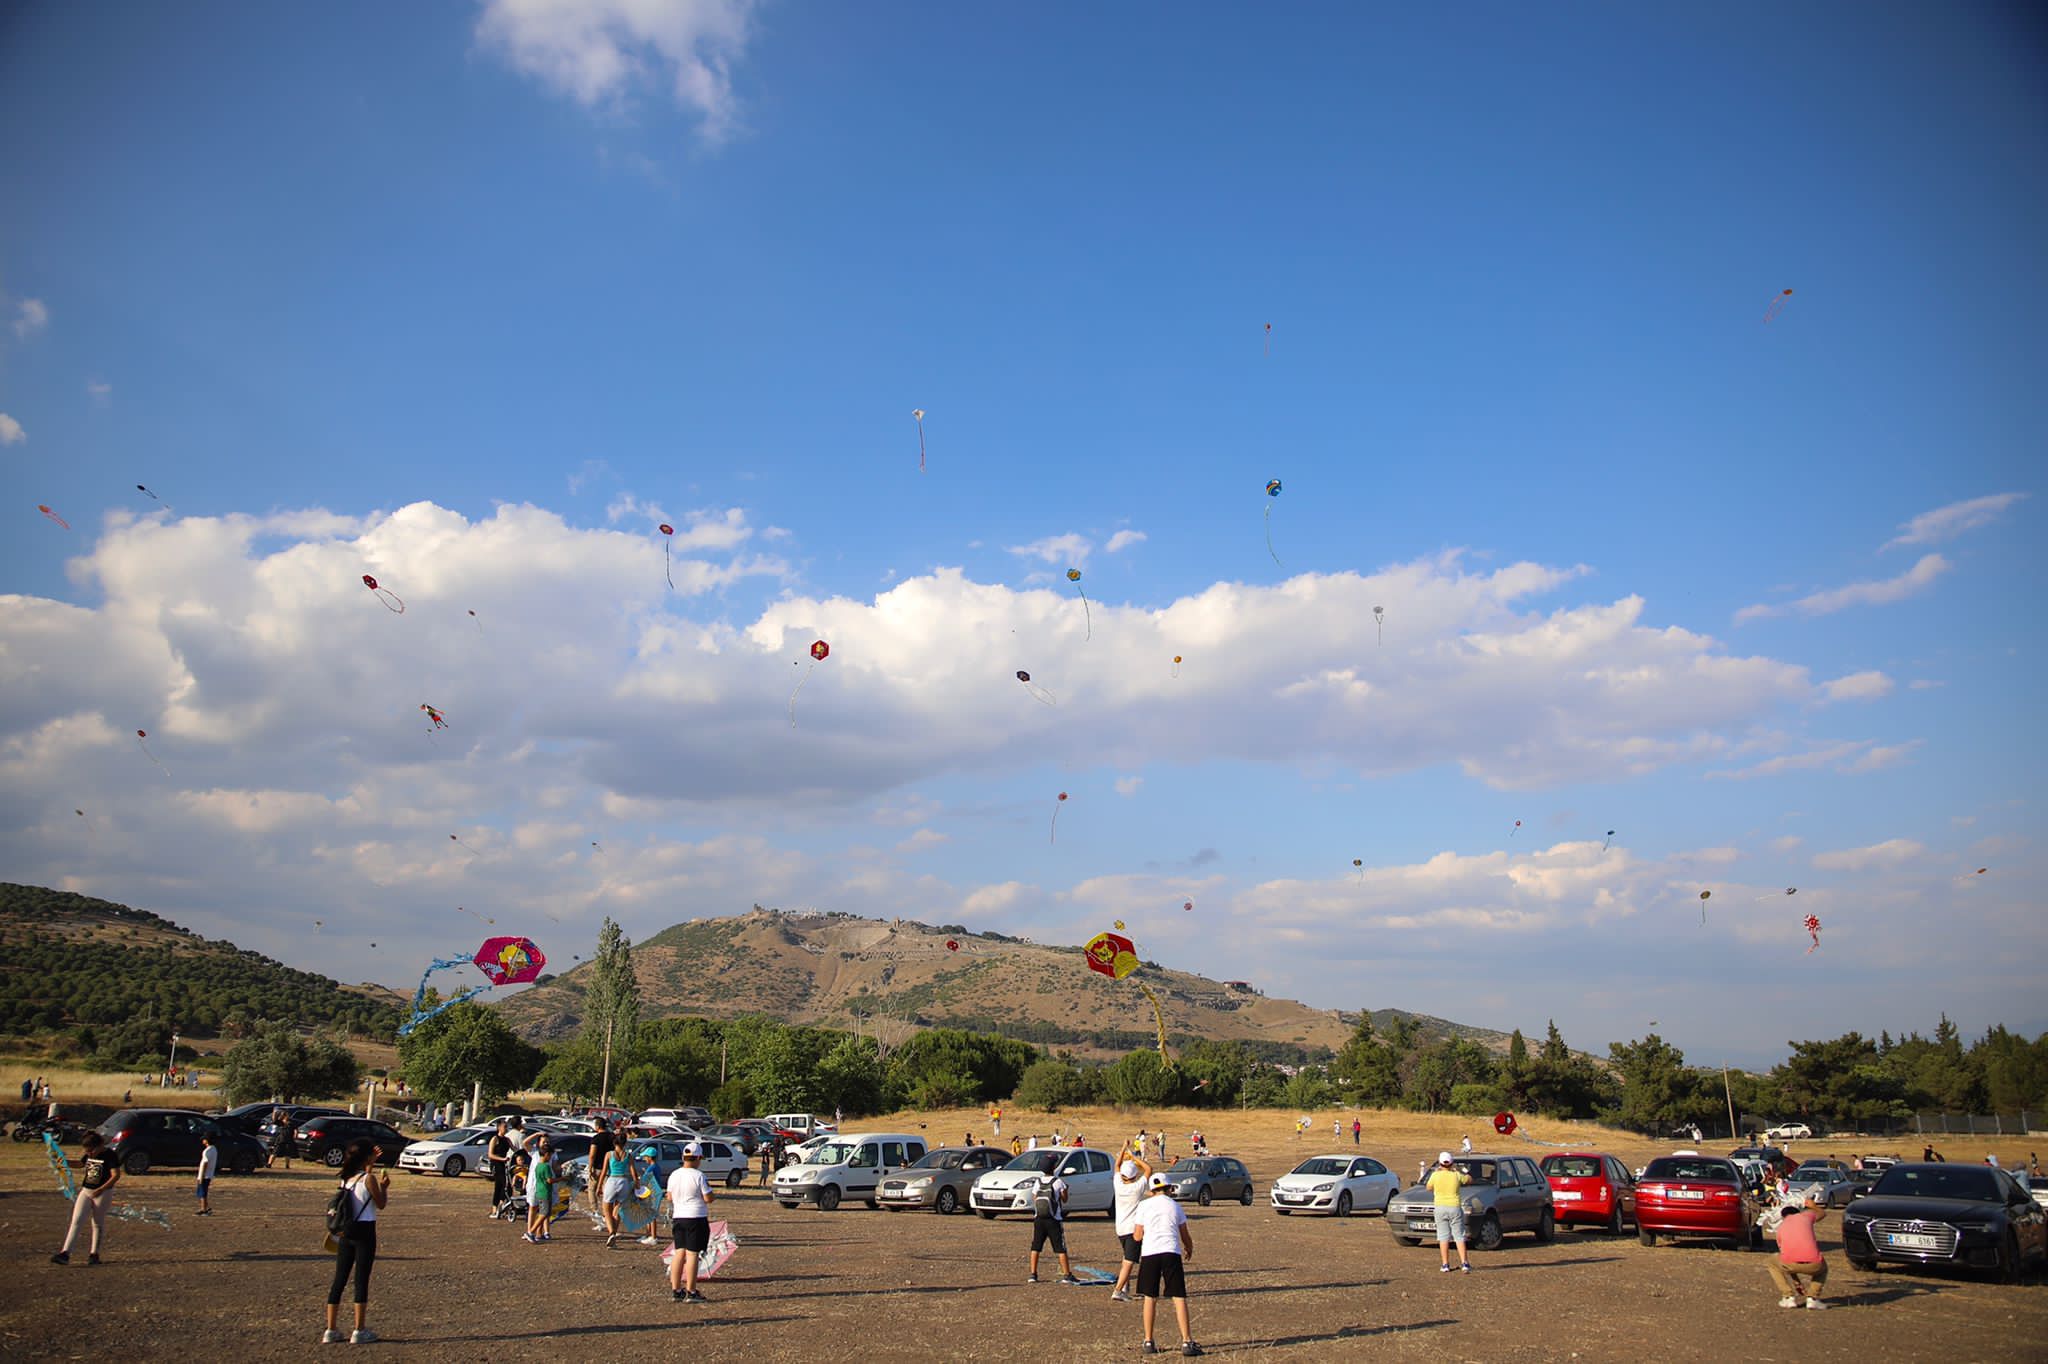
(540, 1193)
(209, 1165)
(1164, 1246)
(96, 1189)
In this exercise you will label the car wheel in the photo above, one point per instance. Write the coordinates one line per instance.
(789, 1205)
(1246, 1197)
(332, 1157)
(1645, 1235)
(986, 1216)
(454, 1167)
(135, 1163)
(1616, 1223)
(734, 1178)
(1344, 1203)
(873, 1204)
(1489, 1232)
(241, 1163)
(949, 1202)
(1205, 1198)
(1546, 1227)
(1387, 1204)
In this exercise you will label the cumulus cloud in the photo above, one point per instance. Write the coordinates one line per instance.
(1863, 686)
(10, 431)
(1128, 786)
(1069, 550)
(600, 52)
(1124, 539)
(1911, 583)
(1848, 756)
(1893, 852)
(1945, 523)
(31, 315)
(100, 391)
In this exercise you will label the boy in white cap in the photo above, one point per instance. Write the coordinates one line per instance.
(689, 1209)
(1131, 1174)
(1444, 1185)
(1165, 1245)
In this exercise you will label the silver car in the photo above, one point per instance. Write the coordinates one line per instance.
(1506, 1193)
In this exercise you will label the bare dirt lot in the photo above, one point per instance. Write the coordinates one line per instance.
(249, 1282)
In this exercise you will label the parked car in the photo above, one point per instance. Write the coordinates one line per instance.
(143, 1139)
(803, 1150)
(1827, 1179)
(720, 1161)
(661, 1117)
(1787, 1131)
(801, 1126)
(298, 1115)
(1087, 1171)
(1941, 1214)
(1774, 1159)
(1507, 1193)
(748, 1139)
(942, 1180)
(248, 1119)
(327, 1138)
(1877, 1165)
(452, 1153)
(1335, 1184)
(1696, 1196)
(1204, 1179)
(851, 1166)
(1591, 1189)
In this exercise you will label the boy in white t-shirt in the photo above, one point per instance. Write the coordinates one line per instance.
(209, 1166)
(689, 1209)
(1165, 1245)
(1131, 1173)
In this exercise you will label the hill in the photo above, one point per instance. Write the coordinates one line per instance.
(68, 961)
(844, 971)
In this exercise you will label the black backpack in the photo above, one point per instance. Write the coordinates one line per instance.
(341, 1211)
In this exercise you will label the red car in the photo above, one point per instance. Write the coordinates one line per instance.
(1695, 1196)
(1591, 1189)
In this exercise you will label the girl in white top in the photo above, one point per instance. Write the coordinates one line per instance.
(368, 1191)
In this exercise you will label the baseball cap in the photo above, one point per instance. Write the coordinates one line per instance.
(1160, 1181)
(693, 1149)
(1129, 1169)
(1443, 1158)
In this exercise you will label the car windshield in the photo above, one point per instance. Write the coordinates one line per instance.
(1481, 1171)
(1321, 1165)
(1937, 1181)
(834, 1153)
(1691, 1167)
(1190, 1167)
(940, 1160)
(1571, 1167)
(1044, 1162)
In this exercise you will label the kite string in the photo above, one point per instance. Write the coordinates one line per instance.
(797, 688)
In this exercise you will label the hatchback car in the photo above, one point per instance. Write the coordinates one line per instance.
(942, 1180)
(143, 1139)
(1695, 1196)
(327, 1139)
(1788, 1131)
(1012, 1188)
(1204, 1179)
(1970, 1216)
(1336, 1185)
(1591, 1189)
(1506, 1193)
(451, 1153)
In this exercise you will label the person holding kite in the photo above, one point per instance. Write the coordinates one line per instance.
(362, 1195)
(90, 1206)
(689, 1209)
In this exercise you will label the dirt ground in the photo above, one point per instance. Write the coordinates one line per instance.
(248, 1283)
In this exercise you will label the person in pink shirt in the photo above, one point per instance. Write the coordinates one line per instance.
(1799, 1257)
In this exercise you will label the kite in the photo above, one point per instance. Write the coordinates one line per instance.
(460, 844)
(1379, 624)
(917, 415)
(504, 961)
(1511, 832)
(952, 944)
(1074, 577)
(714, 1256)
(45, 510)
(479, 623)
(1812, 922)
(667, 532)
(1176, 665)
(152, 496)
(1269, 338)
(1789, 890)
(1705, 896)
(1188, 906)
(820, 651)
(1044, 697)
(142, 742)
(316, 927)
(1777, 305)
(1272, 491)
(1115, 956)
(61, 1166)
(1982, 870)
(1605, 841)
(493, 923)
(1053, 836)
(1504, 1123)
(392, 601)
(1359, 863)
(1119, 925)
(440, 721)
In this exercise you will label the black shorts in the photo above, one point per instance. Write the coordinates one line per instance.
(1162, 1276)
(1130, 1245)
(1048, 1230)
(692, 1233)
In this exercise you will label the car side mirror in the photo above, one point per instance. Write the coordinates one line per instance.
(1858, 1192)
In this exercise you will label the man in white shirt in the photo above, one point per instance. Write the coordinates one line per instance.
(1131, 1174)
(1164, 1245)
(689, 1209)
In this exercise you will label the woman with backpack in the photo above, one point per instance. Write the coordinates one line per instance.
(352, 1221)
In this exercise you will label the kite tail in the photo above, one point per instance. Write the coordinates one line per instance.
(794, 690)
(1087, 616)
(393, 603)
(66, 1185)
(1159, 1021)
(1054, 835)
(1269, 534)
(418, 1018)
(127, 1212)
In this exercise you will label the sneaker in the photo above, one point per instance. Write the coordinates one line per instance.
(1068, 1278)
(1464, 1269)
(1148, 1348)
(332, 1337)
(1816, 1305)
(365, 1336)
(695, 1296)
(679, 1295)
(1119, 1296)
(92, 1259)
(1188, 1347)
(62, 1257)
(1031, 1278)
(1788, 1302)
(529, 1237)
(1443, 1269)
(611, 1242)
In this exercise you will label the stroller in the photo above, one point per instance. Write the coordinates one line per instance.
(515, 1205)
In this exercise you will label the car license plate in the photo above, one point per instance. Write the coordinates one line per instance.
(1295, 1197)
(1695, 1194)
(1906, 1240)
(1563, 1197)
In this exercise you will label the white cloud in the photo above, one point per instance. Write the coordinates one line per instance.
(1838, 756)
(1124, 539)
(1863, 686)
(30, 317)
(100, 391)
(1787, 843)
(1912, 582)
(10, 431)
(1128, 786)
(921, 840)
(1945, 523)
(1067, 551)
(1884, 755)
(600, 52)
(1893, 852)
(1924, 684)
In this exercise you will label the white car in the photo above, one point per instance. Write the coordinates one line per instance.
(803, 1150)
(1787, 1131)
(851, 1166)
(451, 1153)
(1337, 1184)
(1088, 1172)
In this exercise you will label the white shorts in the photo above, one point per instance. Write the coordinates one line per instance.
(614, 1189)
(1450, 1225)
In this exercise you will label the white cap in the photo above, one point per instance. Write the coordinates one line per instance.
(1129, 1169)
(693, 1149)
(1160, 1181)
(1443, 1157)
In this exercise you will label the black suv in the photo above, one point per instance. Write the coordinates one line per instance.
(143, 1139)
(327, 1137)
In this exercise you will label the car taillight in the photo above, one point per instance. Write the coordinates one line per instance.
(118, 1137)
(1725, 1195)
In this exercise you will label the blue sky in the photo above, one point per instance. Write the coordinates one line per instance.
(474, 294)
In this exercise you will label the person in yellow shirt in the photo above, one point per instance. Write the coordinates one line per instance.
(1444, 1184)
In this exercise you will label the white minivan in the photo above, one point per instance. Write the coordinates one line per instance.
(803, 1124)
(847, 1167)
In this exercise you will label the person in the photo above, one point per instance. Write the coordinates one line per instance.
(1855, 1162)
(768, 1160)
(1465, 1145)
(1016, 1145)
(127, 1097)
(1165, 1245)
(689, 1210)
(1931, 1154)
(1357, 1128)
(540, 1191)
(1991, 1159)
(1032, 1145)
(209, 1166)
(995, 1118)
(368, 1192)
(28, 1090)
(498, 1155)
(619, 1178)
(2034, 1165)
(967, 1140)
(1048, 1227)
(283, 1140)
(1132, 1175)
(1444, 1185)
(1143, 1139)
(1336, 1129)
(94, 1193)
(1079, 1141)
(1799, 1257)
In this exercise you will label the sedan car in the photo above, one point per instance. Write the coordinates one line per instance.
(1941, 1214)
(1012, 1188)
(1591, 1189)
(1695, 1196)
(142, 1139)
(328, 1137)
(451, 1153)
(1505, 1193)
(1334, 1184)
(1204, 1179)
(1787, 1131)
(1818, 1178)
(942, 1180)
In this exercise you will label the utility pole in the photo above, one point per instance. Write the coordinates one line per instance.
(174, 1051)
(721, 1062)
(605, 1094)
(1733, 1135)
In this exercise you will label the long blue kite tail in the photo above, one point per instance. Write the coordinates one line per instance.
(420, 1013)
(67, 1187)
